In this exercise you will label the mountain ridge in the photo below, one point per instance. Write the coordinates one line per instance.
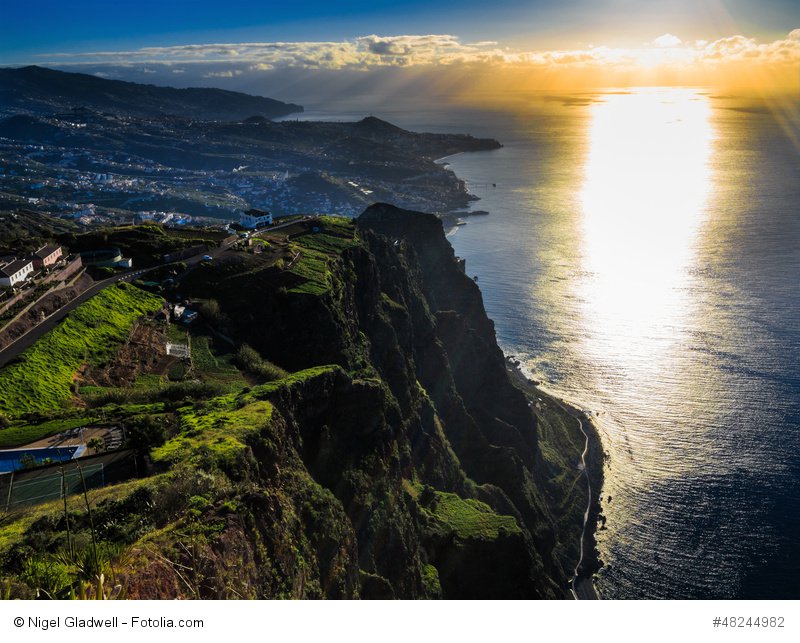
(41, 90)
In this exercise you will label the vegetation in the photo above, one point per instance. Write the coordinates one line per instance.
(146, 432)
(25, 230)
(463, 517)
(148, 381)
(349, 477)
(40, 379)
(251, 362)
(211, 311)
(176, 334)
(314, 250)
(15, 435)
(215, 367)
(80, 547)
(102, 397)
(146, 244)
(12, 311)
(295, 378)
(214, 434)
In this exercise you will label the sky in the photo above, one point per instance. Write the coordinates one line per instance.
(475, 47)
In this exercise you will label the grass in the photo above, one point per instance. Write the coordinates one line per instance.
(194, 233)
(146, 244)
(219, 428)
(218, 431)
(313, 267)
(213, 367)
(40, 379)
(560, 443)
(317, 249)
(560, 438)
(14, 525)
(148, 381)
(466, 518)
(251, 362)
(176, 334)
(269, 388)
(470, 518)
(202, 357)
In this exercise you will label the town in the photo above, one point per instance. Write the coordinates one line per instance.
(61, 164)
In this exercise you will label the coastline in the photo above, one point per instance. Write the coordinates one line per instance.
(581, 584)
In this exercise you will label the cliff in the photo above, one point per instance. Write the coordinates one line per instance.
(397, 459)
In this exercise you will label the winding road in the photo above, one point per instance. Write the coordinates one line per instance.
(581, 587)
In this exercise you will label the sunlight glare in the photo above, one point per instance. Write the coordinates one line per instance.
(647, 179)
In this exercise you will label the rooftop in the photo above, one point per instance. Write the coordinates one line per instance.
(14, 267)
(46, 251)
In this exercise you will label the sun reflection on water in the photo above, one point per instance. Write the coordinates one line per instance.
(647, 180)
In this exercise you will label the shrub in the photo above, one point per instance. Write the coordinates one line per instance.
(146, 432)
(250, 361)
(44, 574)
(211, 311)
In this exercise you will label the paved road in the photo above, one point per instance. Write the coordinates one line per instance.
(583, 590)
(582, 587)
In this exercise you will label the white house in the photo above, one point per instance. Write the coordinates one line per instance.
(253, 219)
(15, 272)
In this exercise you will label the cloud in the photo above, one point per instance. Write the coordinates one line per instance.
(741, 48)
(362, 52)
(228, 73)
(667, 40)
(667, 53)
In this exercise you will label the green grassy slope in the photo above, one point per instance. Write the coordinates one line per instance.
(40, 380)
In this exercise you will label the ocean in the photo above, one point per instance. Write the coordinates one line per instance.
(642, 259)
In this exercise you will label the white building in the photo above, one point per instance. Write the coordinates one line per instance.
(253, 219)
(15, 272)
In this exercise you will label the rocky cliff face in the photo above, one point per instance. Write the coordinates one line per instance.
(397, 460)
(421, 407)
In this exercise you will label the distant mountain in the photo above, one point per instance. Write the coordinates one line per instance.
(46, 91)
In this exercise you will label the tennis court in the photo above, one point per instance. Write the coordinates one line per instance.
(32, 486)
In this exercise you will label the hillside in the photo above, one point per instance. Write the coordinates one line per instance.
(26, 230)
(362, 439)
(45, 91)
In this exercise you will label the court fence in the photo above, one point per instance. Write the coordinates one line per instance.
(52, 482)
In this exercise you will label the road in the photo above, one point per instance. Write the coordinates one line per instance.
(581, 587)
(23, 342)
